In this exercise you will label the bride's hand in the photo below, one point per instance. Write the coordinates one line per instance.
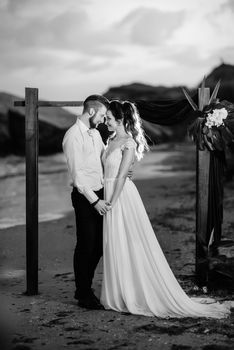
(102, 206)
(108, 206)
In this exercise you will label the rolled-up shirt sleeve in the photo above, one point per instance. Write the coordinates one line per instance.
(72, 148)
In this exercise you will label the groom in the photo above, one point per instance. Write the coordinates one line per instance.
(83, 148)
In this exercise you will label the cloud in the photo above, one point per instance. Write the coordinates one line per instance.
(30, 24)
(229, 5)
(34, 59)
(37, 29)
(221, 23)
(149, 26)
(48, 8)
(97, 43)
(189, 56)
(89, 66)
(226, 55)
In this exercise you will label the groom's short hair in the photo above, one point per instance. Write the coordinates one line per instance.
(95, 101)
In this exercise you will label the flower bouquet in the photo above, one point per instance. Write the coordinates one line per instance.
(213, 126)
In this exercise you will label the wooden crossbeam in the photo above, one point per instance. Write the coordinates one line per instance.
(52, 103)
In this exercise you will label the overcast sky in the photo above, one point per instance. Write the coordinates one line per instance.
(72, 48)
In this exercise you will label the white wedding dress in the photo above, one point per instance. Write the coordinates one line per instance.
(136, 276)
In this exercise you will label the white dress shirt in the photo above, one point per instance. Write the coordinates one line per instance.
(83, 148)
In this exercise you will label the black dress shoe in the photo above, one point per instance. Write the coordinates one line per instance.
(89, 295)
(90, 304)
(93, 296)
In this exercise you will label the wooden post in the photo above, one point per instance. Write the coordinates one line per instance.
(31, 105)
(31, 151)
(202, 195)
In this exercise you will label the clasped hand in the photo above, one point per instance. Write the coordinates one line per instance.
(102, 206)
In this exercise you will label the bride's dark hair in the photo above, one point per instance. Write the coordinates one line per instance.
(128, 113)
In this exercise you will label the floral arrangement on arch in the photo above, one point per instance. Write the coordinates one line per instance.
(213, 127)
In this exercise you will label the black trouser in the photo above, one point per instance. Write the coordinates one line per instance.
(88, 248)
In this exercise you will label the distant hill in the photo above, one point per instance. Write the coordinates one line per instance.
(225, 73)
(138, 91)
(53, 122)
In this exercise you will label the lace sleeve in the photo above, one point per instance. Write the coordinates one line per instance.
(130, 143)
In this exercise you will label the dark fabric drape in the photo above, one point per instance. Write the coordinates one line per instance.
(166, 112)
(170, 112)
(215, 201)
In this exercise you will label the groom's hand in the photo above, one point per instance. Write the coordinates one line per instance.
(102, 207)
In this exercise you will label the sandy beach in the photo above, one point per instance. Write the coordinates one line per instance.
(52, 319)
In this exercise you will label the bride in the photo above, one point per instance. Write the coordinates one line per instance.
(136, 276)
